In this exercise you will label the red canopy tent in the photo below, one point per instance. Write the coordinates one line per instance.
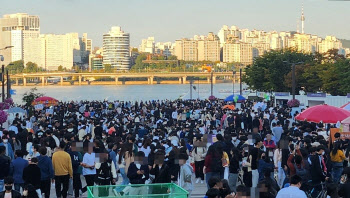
(45, 100)
(324, 113)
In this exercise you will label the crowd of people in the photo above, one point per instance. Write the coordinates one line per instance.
(245, 152)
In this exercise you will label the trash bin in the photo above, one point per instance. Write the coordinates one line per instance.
(167, 190)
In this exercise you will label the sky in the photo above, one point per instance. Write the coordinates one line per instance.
(168, 20)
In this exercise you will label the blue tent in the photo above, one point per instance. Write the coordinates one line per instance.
(235, 98)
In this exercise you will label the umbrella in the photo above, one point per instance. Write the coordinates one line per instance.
(324, 113)
(16, 110)
(47, 101)
(236, 98)
(346, 106)
(212, 98)
(232, 107)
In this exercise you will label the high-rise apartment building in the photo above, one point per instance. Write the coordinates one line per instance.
(59, 50)
(167, 48)
(147, 45)
(238, 52)
(186, 49)
(14, 29)
(116, 44)
(330, 42)
(209, 48)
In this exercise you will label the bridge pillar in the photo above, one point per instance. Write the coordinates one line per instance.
(214, 79)
(184, 80)
(208, 79)
(180, 80)
(17, 81)
(61, 80)
(24, 81)
(79, 80)
(42, 80)
(116, 80)
(150, 80)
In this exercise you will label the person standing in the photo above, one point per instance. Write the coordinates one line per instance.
(62, 165)
(5, 163)
(8, 147)
(89, 170)
(337, 158)
(199, 153)
(254, 154)
(185, 176)
(138, 174)
(46, 169)
(32, 175)
(17, 167)
(8, 192)
(76, 161)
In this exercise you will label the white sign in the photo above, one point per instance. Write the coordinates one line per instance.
(49, 111)
(39, 107)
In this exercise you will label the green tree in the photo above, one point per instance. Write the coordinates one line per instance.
(268, 72)
(31, 67)
(30, 96)
(108, 68)
(60, 68)
(16, 67)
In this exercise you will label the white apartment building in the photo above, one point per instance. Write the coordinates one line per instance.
(238, 52)
(166, 48)
(209, 48)
(147, 45)
(116, 44)
(14, 29)
(330, 42)
(186, 49)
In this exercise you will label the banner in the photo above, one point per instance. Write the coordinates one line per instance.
(316, 95)
(49, 111)
(342, 134)
(281, 93)
(39, 107)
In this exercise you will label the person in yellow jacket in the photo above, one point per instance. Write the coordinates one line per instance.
(62, 165)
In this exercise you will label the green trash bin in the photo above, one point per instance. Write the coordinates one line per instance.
(167, 190)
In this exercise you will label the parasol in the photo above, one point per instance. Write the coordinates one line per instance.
(45, 100)
(232, 107)
(346, 106)
(235, 98)
(324, 113)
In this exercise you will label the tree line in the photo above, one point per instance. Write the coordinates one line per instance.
(328, 72)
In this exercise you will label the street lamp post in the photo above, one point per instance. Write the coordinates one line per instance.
(240, 81)
(293, 76)
(233, 82)
(3, 76)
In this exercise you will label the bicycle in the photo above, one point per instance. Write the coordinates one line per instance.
(313, 190)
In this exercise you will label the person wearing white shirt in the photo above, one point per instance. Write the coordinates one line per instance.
(293, 191)
(89, 170)
(13, 127)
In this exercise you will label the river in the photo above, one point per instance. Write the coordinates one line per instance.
(128, 92)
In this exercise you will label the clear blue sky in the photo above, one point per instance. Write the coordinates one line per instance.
(170, 20)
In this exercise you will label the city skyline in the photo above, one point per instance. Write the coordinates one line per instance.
(159, 19)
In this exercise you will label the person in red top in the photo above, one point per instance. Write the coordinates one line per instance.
(269, 143)
(210, 163)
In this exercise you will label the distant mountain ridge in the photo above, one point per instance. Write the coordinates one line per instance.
(346, 43)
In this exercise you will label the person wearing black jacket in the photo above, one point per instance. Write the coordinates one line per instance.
(8, 189)
(138, 173)
(32, 173)
(317, 166)
(161, 172)
(234, 169)
(5, 163)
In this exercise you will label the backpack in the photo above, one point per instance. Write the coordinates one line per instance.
(105, 170)
(302, 172)
(216, 164)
